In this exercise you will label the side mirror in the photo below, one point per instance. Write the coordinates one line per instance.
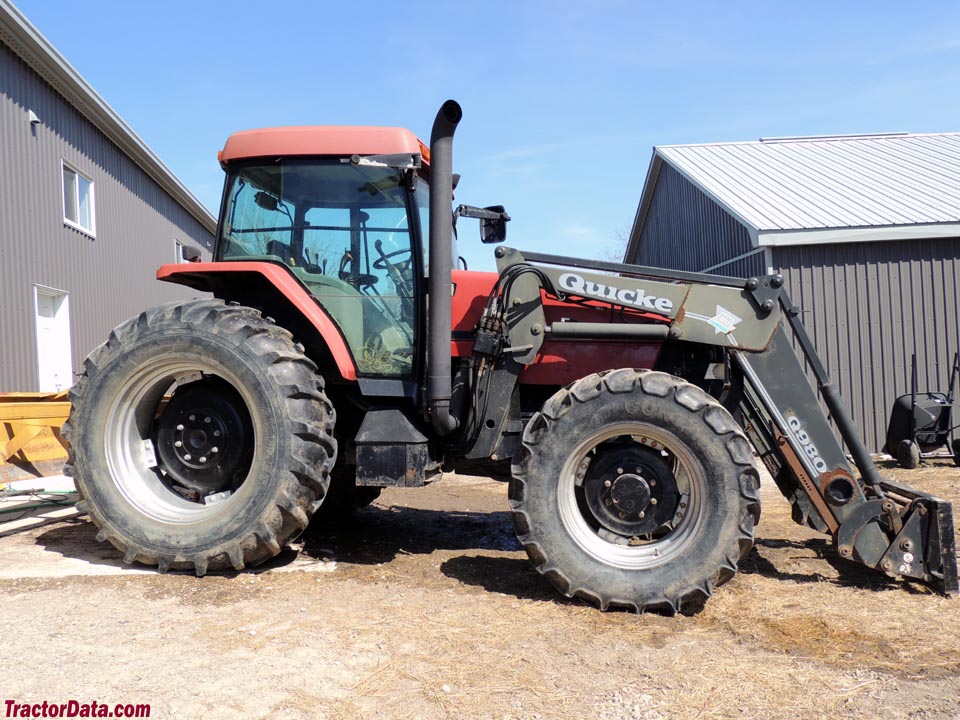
(494, 230)
(493, 221)
(266, 201)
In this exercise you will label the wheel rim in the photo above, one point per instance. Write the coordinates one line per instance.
(613, 525)
(137, 467)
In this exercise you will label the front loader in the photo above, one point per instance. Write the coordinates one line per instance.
(341, 353)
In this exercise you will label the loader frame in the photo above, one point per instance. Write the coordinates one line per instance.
(876, 522)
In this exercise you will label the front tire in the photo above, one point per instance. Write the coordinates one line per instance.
(635, 489)
(200, 437)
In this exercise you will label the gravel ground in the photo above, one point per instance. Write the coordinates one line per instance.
(426, 607)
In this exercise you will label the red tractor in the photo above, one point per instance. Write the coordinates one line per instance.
(341, 353)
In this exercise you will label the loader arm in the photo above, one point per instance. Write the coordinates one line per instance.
(876, 522)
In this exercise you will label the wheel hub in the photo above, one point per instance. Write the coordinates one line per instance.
(630, 493)
(204, 436)
(630, 490)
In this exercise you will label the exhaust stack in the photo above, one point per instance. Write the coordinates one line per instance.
(441, 266)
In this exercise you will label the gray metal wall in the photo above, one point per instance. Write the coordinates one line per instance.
(868, 306)
(686, 230)
(108, 278)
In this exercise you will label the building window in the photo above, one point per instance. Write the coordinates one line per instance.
(178, 252)
(78, 200)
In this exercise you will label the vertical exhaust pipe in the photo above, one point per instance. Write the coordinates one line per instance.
(441, 265)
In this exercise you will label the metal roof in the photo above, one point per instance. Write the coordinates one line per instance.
(840, 188)
(35, 50)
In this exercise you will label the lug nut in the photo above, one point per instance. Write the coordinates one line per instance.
(206, 420)
(619, 471)
(609, 502)
(641, 514)
(178, 444)
(607, 483)
(653, 501)
(214, 450)
(192, 418)
(179, 428)
(653, 483)
(622, 515)
(216, 433)
(203, 459)
(187, 457)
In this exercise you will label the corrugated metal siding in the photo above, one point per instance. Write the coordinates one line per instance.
(686, 230)
(109, 278)
(830, 182)
(869, 306)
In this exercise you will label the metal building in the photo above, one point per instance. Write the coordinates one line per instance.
(865, 230)
(87, 214)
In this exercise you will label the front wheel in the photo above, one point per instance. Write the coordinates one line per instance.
(635, 489)
(200, 437)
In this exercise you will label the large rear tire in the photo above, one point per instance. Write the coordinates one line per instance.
(200, 437)
(635, 489)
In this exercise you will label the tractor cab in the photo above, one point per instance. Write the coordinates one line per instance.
(348, 227)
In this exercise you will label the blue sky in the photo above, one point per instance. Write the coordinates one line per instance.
(562, 102)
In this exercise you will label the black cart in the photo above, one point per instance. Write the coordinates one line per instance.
(921, 424)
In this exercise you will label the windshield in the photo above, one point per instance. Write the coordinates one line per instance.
(344, 231)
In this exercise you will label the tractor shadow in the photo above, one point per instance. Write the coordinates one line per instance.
(491, 558)
(75, 540)
(377, 535)
(372, 536)
(781, 559)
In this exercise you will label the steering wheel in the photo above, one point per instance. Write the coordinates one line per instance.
(399, 272)
(384, 263)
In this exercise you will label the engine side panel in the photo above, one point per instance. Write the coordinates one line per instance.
(559, 361)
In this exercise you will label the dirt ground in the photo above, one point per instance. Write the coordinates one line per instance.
(426, 607)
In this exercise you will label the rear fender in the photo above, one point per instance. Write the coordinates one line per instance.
(270, 287)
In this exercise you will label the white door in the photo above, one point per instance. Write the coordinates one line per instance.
(54, 363)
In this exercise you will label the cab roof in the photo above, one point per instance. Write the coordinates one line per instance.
(321, 140)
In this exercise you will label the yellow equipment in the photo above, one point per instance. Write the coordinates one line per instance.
(30, 442)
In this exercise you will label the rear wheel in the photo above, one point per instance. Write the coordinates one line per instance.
(635, 489)
(201, 437)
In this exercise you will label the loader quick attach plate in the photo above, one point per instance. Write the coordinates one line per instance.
(936, 539)
(941, 539)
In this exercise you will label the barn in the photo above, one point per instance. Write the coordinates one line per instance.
(865, 230)
(87, 214)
